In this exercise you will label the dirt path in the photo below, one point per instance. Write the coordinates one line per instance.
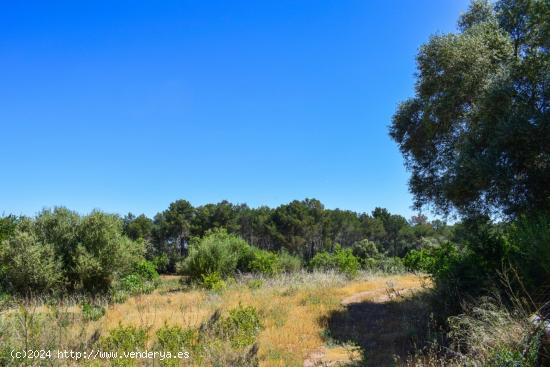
(373, 327)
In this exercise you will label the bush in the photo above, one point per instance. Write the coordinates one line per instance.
(161, 263)
(530, 241)
(92, 249)
(124, 339)
(384, 264)
(28, 265)
(175, 339)
(135, 284)
(365, 249)
(241, 326)
(217, 252)
(419, 260)
(103, 253)
(341, 260)
(146, 270)
(264, 262)
(213, 281)
(289, 263)
(435, 260)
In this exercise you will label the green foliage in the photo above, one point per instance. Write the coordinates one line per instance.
(161, 263)
(255, 283)
(433, 260)
(341, 260)
(103, 253)
(241, 326)
(384, 264)
(146, 270)
(137, 228)
(530, 254)
(133, 284)
(264, 262)
(365, 249)
(476, 130)
(506, 358)
(175, 339)
(213, 281)
(8, 225)
(91, 312)
(124, 339)
(217, 252)
(289, 263)
(29, 266)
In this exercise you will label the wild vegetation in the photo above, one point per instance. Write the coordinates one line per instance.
(301, 284)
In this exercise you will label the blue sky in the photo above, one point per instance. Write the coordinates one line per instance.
(129, 105)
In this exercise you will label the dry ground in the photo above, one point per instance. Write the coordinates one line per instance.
(309, 319)
(296, 311)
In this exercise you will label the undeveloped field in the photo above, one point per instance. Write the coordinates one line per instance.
(308, 318)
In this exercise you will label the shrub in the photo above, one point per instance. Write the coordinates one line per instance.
(289, 263)
(322, 260)
(391, 265)
(419, 260)
(241, 326)
(217, 252)
(341, 260)
(135, 284)
(175, 339)
(29, 266)
(92, 249)
(264, 262)
(124, 339)
(92, 312)
(530, 241)
(161, 263)
(146, 270)
(213, 281)
(365, 249)
(103, 253)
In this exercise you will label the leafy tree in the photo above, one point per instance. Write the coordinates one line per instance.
(220, 215)
(103, 253)
(476, 135)
(173, 230)
(343, 227)
(92, 249)
(29, 266)
(140, 227)
(8, 225)
(365, 249)
(299, 226)
(256, 226)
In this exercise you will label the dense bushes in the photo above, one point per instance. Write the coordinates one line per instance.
(60, 251)
(530, 240)
(341, 260)
(436, 260)
(217, 252)
(220, 254)
(28, 265)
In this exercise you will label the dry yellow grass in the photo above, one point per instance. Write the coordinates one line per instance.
(292, 311)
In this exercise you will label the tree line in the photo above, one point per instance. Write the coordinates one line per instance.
(301, 227)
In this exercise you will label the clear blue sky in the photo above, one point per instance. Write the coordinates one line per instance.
(129, 105)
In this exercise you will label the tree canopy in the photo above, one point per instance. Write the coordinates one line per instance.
(476, 135)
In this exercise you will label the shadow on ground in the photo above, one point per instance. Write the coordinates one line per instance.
(385, 331)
